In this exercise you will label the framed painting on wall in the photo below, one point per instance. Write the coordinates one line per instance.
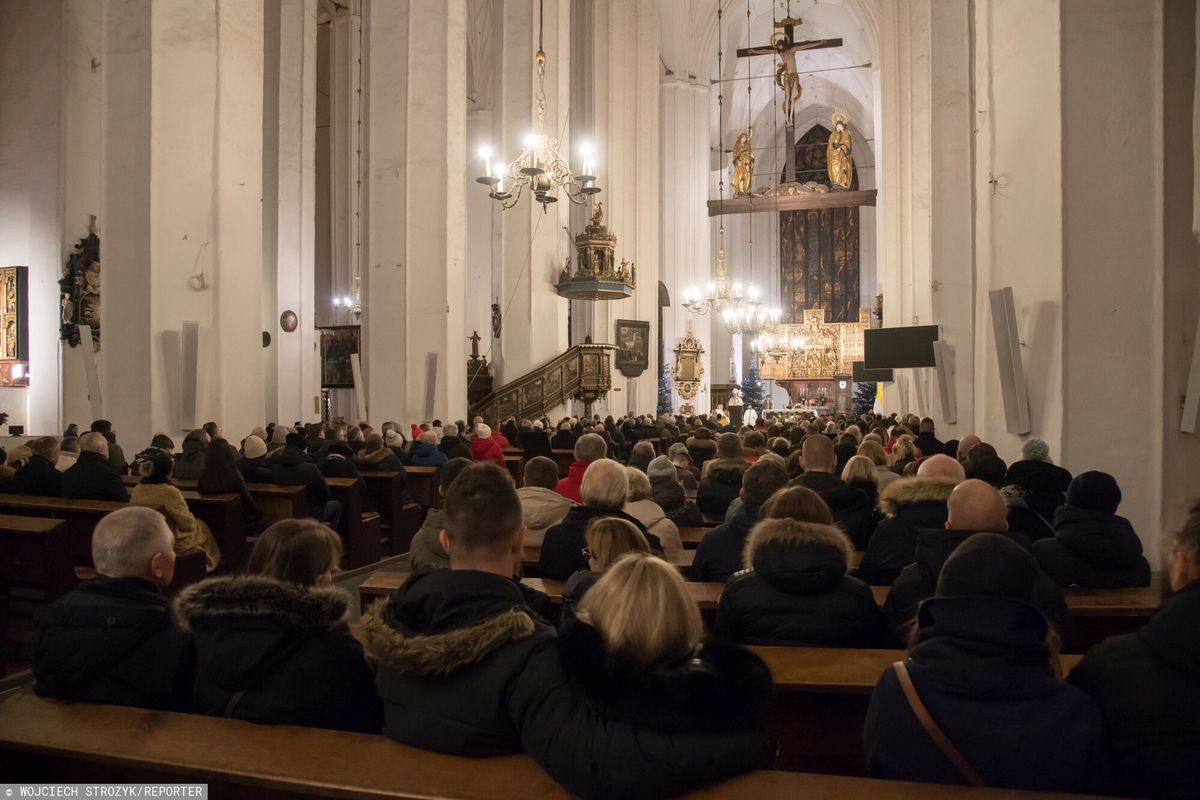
(338, 343)
(633, 347)
(14, 327)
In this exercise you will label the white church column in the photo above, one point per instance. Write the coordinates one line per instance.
(627, 118)
(534, 242)
(181, 214)
(416, 253)
(293, 380)
(686, 259)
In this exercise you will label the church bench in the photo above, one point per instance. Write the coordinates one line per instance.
(222, 513)
(531, 560)
(399, 518)
(49, 741)
(361, 535)
(422, 486)
(275, 502)
(564, 459)
(36, 567)
(513, 463)
(80, 517)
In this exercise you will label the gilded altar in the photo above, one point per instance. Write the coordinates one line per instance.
(823, 351)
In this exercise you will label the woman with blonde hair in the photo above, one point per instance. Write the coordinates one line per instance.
(884, 477)
(155, 490)
(795, 589)
(639, 505)
(634, 649)
(273, 646)
(608, 538)
(860, 473)
(904, 452)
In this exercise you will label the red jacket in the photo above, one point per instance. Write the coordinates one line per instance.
(569, 486)
(487, 450)
(499, 438)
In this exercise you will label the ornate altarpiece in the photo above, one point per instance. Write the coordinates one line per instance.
(688, 371)
(829, 352)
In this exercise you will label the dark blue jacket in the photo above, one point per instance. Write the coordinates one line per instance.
(720, 552)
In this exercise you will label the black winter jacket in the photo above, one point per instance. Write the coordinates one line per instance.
(113, 641)
(336, 465)
(293, 468)
(1148, 688)
(255, 470)
(1022, 518)
(1045, 484)
(669, 494)
(719, 487)
(918, 581)
(928, 444)
(382, 460)
(852, 510)
(562, 547)
(38, 477)
(456, 447)
(909, 505)
(562, 440)
(285, 648)
(190, 462)
(982, 669)
(1093, 550)
(795, 591)
(720, 552)
(465, 667)
(91, 478)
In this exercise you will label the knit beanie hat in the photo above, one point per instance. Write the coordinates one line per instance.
(989, 565)
(254, 447)
(483, 431)
(393, 439)
(661, 467)
(1094, 491)
(296, 440)
(1036, 450)
(279, 436)
(677, 449)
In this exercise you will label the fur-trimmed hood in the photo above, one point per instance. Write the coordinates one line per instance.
(720, 686)
(218, 599)
(374, 457)
(442, 620)
(797, 557)
(910, 491)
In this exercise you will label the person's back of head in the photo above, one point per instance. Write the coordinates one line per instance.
(926, 425)
(163, 442)
(609, 538)
(1094, 491)
(300, 551)
(1183, 560)
(354, 434)
(102, 426)
(644, 449)
(484, 521)
(45, 446)
(220, 466)
(639, 484)
(989, 469)
(763, 478)
(1036, 450)
(94, 442)
(590, 448)
(975, 506)
(196, 437)
(966, 444)
(483, 431)
(605, 485)
(859, 469)
(449, 430)
(660, 467)
(69, 445)
(816, 454)
(427, 437)
(157, 468)
(754, 439)
(212, 429)
(989, 565)
(374, 443)
(643, 611)
(729, 445)
(797, 503)
(254, 447)
(943, 467)
(134, 542)
(873, 450)
(450, 471)
(541, 472)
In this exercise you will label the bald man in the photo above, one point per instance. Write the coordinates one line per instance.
(852, 509)
(910, 504)
(965, 445)
(972, 507)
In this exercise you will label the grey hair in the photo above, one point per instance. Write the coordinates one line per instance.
(449, 429)
(92, 442)
(124, 541)
(1036, 450)
(590, 447)
(639, 484)
(605, 484)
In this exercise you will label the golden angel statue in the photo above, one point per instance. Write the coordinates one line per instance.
(743, 163)
(840, 152)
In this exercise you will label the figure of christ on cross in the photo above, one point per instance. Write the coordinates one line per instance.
(787, 77)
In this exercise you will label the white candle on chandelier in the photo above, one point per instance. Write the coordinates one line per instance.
(485, 153)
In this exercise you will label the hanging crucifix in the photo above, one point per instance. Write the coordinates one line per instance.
(787, 77)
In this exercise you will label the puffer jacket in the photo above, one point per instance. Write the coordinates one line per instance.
(721, 550)
(657, 522)
(277, 653)
(466, 667)
(381, 460)
(909, 504)
(670, 496)
(424, 454)
(292, 468)
(1093, 550)
(541, 509)
(918, 581)
(569, 487)
(721, 485)
(190, 462)
(487, 450)
(794, 591)
(852, 510)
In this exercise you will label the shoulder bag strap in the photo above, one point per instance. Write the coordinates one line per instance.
(931, 727)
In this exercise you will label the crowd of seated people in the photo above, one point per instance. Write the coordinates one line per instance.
(628, 695)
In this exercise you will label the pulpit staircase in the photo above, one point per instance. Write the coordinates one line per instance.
(583, 372)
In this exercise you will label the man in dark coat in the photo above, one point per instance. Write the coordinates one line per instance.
(1093, 547)
(1148, 685)
(339, 461)
(91, 478)
(851, 508)
(39, 476)
(454, 446)
(720, 552)
(926, 442)
(721, 477)
(293, 468)
(113, 640)
(376, 457)
(910, 505)
(466, 667)
(974, 507)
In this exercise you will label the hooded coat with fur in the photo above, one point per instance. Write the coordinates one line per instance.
(909, 504)
(381, 460)
(794, 591)
(720, 486)
(541, 509)
(465, 667)
(277, 653)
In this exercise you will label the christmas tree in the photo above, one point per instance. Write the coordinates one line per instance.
(664, 390)
(752, 386)
(864, 398)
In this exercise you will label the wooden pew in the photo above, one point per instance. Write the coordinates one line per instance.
(222, 513)
(422, 486)
(531, 560)
(564, 459)
(35, 552)
(275, 502)
(361, 536)
(80, 517)
(514, 463)
(400, 518)
(53, 742)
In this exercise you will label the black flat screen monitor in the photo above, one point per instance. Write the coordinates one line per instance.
(900, 348)
(864, 375)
